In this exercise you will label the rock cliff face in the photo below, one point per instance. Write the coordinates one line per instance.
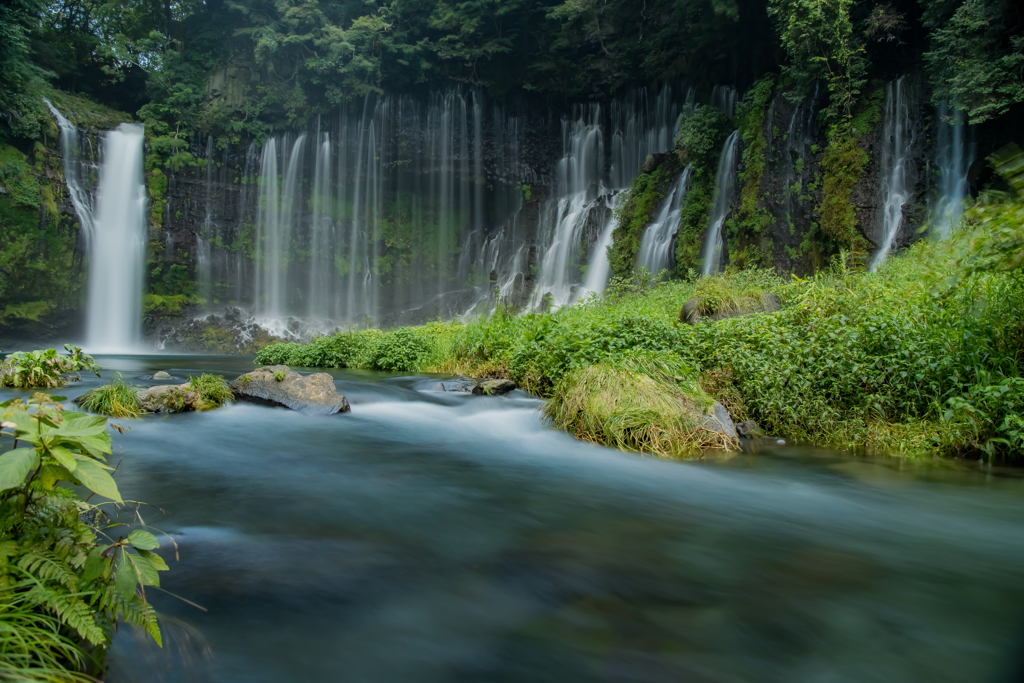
(411, 210)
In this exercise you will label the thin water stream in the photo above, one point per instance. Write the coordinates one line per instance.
(434, 536)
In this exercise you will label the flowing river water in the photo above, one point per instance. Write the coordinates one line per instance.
(432, 536)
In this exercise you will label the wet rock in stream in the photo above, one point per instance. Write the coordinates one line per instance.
(280, 386)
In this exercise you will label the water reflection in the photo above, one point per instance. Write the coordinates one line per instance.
(429, 536)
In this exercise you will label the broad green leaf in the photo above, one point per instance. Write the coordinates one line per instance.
(27, 428)
(143, 539)
(15, 466)
(95, 564)
(147, 572)
(8, 549)
(81, 424)
(155, 560)
(49, 475)
(65, 457)
(96, 479)
(96, 446)
(126, 578)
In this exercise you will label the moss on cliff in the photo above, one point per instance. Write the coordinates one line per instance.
(633, 215)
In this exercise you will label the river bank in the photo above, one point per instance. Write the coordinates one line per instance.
(917, 359)
(439, 536)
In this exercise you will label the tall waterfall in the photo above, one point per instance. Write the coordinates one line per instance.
(581, 212)
(725, 192)
(953, 157)
(113, 220)
(656, 243)
(897, 137)
(117, 250)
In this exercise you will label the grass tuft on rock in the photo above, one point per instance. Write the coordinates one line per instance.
(115, 399)
(641, 402)
(212, 391)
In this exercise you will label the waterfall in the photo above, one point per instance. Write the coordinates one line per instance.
(204, 270)
(724, 98)
(725, 190)
(321, 267)
(118, 249)
(655, 246)
(563, 220)
(897, 137)
(953, 157)
(600, 269)
(76, 170)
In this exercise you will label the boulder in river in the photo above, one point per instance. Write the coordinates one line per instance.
(280, 386)
(168, 398)
(494, 387)
(479, 387)
(160, 374)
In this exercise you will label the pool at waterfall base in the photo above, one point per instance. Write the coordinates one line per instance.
(439, 536)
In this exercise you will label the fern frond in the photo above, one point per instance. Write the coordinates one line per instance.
(45, 565)
(71, 610)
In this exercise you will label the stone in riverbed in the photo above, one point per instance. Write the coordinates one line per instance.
(717, 420)
(278, 385)
(749, 429)
(494, 387)
(160, 374)
(169, 398)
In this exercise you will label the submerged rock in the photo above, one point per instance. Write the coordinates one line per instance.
(278, 385)
(717, 419)
(479, 387)
(169, 398)
(494, 387)
(749, 429)
(160, 374)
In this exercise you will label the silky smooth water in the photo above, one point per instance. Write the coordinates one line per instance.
(433, 536)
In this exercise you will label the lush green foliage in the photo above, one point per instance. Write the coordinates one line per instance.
(212, 391)
(633, 215)
(404, 349)
(65, 581)
(45, 369)
(117, 398)
(976, 56)
(749, 243)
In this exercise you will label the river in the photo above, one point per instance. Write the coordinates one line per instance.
(440, 537)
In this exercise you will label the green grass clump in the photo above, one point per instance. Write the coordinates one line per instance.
(638, 402)
(212, 391)
(116, 399)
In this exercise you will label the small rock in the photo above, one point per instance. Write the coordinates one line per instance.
(278, 385)
(717, 420)
(749, 429)
(781, 442)
(461, 384)
(160, 374)
(169, 398)
(494, 387)
(691, 311)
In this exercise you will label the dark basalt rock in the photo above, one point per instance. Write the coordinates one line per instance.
(278, 385)
(749, 429)
(494, 387)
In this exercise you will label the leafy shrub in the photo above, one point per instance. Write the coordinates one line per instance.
(116, 399)
(45, 369)
(399, 351)
(64, 585)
